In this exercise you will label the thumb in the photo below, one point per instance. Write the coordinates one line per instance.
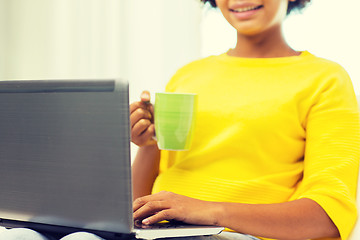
(145, 96)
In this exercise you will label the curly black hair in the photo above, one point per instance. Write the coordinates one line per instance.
(297, 5)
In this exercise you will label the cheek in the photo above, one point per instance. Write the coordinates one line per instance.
(276, 12)
(281, 9)
(221, 4)
(223, 7)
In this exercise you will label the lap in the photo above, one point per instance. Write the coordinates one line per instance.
(221, 236)
(22, 234)
(28, 234)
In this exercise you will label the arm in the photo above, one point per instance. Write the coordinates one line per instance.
(145, 170)
(146, 164)
(298, 219)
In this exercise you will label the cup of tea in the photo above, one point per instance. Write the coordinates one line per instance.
(174, 118)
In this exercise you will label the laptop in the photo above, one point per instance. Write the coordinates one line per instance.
(65, 159)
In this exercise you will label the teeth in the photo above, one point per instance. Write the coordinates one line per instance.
(245, 9)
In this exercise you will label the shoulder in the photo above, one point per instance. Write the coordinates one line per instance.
(323, 65)
(330, 87)
(325, 73)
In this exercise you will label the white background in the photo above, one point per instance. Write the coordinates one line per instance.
(146, 41)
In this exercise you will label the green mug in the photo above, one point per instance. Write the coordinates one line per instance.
(175, 115)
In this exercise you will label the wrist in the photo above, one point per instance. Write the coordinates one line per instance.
(218, 211)
(149, 154)
(150, 148)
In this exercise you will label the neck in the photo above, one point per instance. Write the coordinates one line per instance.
(269, 44)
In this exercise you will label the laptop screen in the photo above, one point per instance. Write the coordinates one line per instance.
(65, 154)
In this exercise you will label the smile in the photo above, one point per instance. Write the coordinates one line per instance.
(246, 9)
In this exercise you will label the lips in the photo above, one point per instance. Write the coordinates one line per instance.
(244, 12)
(245, 9)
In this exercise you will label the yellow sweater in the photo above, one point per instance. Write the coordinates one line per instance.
(269, 130)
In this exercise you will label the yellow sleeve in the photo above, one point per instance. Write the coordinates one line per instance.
(332, 149)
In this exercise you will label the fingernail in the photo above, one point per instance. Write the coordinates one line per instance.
(146, 222)
(144, 95)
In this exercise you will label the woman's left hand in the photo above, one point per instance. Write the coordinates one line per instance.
(170, 206)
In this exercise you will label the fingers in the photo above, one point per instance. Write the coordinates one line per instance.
(145, 98)
(141, 121)
(139, 114)
(139, 202)
(143, 132)
(152, 209)
(167, 214)
(170, 206)
(144, 103)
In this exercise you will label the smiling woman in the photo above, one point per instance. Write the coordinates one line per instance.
(250, 173)
(293, 5)
(315, 29)
(267, 169)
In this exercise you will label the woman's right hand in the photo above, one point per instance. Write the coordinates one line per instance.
(142, 121)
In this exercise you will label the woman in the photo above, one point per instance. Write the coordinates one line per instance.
(275, 152)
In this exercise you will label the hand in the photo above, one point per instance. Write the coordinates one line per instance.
(170, 206)
(142, 121)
